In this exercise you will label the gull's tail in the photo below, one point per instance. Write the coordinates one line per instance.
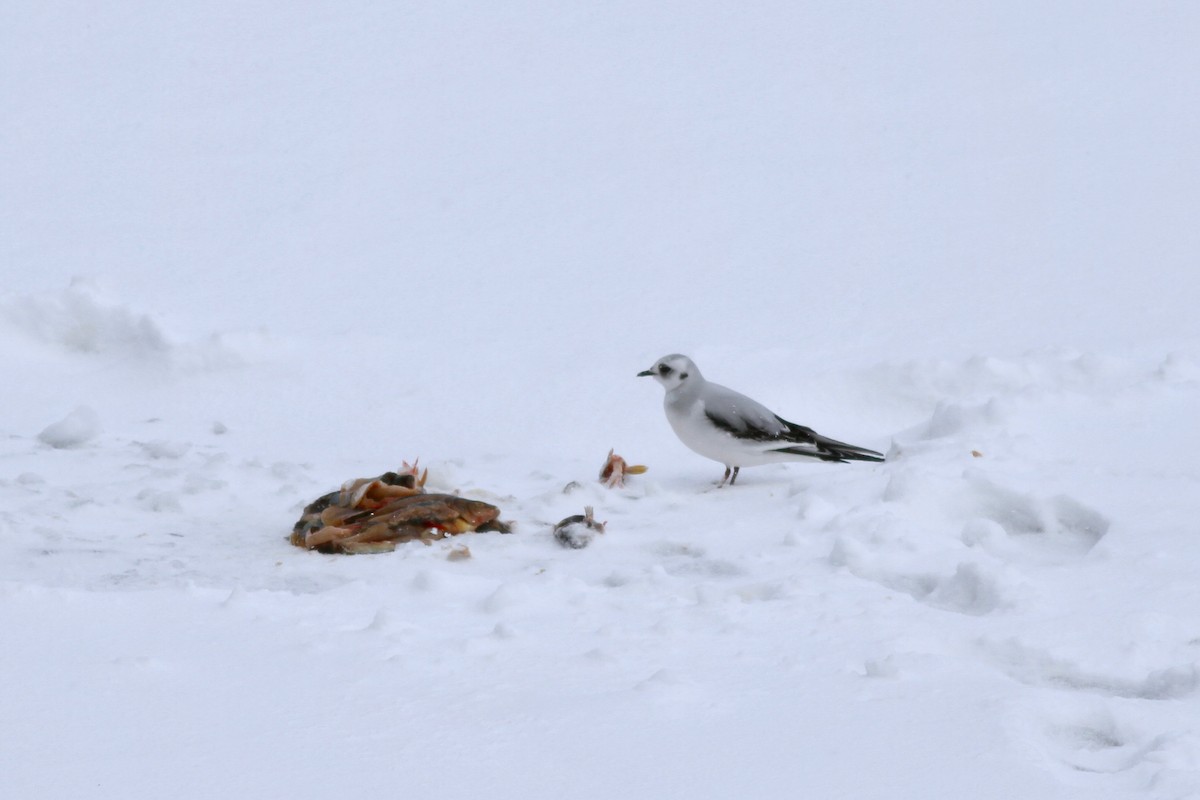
(812, 444)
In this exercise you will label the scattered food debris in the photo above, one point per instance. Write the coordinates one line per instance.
(613, 473)
(461, 553)
(578, 530)
(977, 454)
(373, 515)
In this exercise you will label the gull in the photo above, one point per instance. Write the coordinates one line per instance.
(728, 427)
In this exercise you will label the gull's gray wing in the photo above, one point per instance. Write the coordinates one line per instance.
(747, 419)
(740, 416)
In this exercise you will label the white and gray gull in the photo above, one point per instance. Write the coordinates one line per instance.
(728, 427)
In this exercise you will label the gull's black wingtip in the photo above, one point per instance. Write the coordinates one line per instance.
(826, 449)
(837, 455)
(853, 453)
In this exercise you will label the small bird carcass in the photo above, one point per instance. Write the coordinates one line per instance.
(373, 515)
(578, 530)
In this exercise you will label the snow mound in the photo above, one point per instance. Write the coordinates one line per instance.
(73, 430)
(78, 319)
(966, 390)
(83, 320)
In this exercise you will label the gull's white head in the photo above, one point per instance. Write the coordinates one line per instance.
(673, 371)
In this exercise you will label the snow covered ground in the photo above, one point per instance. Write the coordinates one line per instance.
(252, 251)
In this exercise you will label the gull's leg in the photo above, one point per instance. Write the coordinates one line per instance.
(722, 483)
(735, 473)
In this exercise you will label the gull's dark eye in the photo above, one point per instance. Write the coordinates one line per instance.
(664, 370)
(682, 376)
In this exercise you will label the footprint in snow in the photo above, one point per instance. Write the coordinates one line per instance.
(1009, 522)
(1038, 667)
(1093, 740)
(972, 589)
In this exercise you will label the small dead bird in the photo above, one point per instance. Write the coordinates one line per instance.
(578, 530)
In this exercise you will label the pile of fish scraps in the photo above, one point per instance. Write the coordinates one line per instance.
(373, 515)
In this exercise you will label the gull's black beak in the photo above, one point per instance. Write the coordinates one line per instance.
(646, 373)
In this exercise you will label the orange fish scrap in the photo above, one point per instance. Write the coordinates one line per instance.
(613, 473)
